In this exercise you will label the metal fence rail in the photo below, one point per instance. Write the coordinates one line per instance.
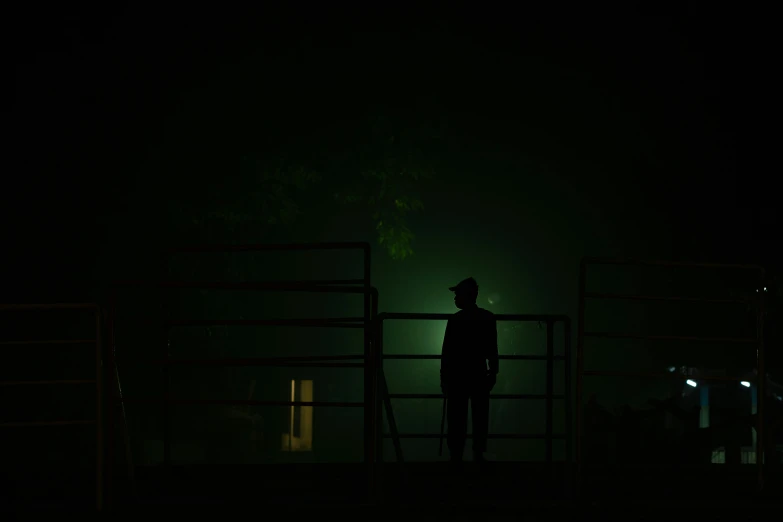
(346, 286)
(757, 341)
(97, 381)
(549, 436)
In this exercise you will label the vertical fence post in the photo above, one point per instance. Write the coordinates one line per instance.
(166, 414)
(378, 349)
(111, 402)
(380, 396)
(370, 378)
(164, 333)
(580, 367)
(98, 413)
(760, 385)
(550, 377)
(568, 406)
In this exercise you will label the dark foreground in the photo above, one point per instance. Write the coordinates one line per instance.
(501, 491)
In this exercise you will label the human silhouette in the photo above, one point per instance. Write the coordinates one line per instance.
(468, 370)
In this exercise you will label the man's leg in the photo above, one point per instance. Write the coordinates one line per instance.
(457, 417)
(479, 407)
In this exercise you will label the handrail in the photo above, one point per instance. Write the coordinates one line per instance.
(582, 334)
(46, 306)
(549, 396)
(642, 262)
(501, 357)
(532, 396)
(259, 286)
(97, 382)
(346, 286)
(261, 247)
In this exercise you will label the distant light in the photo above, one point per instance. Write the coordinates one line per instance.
(689, 382)
(672, 369)
(493, 298)
(745, 384)
(765, 288)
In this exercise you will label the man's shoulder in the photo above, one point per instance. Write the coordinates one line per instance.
(486, 313)
(473, 313)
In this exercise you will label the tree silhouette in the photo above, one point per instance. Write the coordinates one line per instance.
(377, 172)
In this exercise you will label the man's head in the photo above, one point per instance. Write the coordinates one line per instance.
(465, 293)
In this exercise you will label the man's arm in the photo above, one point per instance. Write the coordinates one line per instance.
(445, 350)
(492, 354)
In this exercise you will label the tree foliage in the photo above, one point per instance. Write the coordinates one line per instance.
(389, 197)
(383, 180)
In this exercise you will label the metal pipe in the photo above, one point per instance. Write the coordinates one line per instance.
(569, 421)
(370, 375)
(241, 402)
(165, 271)
(501, 357)
(629, 297)
(165, 412)
(209, 363)
(534, 318)
(260, 286)
(377, 341)
(35, 383)
(728, 340)
(244, 285)
(111, 400)
(164, 339)
(264, 360)
(314, 323)
(761, 385)
(651, 375)
(637, 262)
(98, 413)
(550, 377)
(315, 358)
(267, 247)
(58, 341)
(36, 424)
(513, 436)
(531, 396)
(580, 365)
(45, 306)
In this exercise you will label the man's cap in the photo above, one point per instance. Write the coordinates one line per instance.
(465, 285)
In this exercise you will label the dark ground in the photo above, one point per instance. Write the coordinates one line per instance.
(502, 491)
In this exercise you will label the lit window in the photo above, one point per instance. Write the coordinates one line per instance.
(300, 419)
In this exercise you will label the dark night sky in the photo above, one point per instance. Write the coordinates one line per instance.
(631, 131)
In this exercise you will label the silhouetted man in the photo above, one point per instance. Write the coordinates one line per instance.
(471, 341)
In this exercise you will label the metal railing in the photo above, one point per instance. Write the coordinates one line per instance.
(345, 286)
(758, 341)
(97, 381)
(549, 396)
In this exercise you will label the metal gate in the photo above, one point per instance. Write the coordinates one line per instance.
(359, 286)
(81, 344)
(751, 343)
(549, 396)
